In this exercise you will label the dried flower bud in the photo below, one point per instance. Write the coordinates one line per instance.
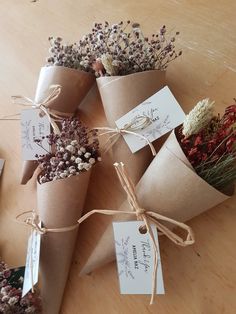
(107, 62)
(198, 117)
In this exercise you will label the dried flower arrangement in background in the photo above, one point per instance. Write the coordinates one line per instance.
(74, 150)
(11, 281)
(117, 49)
(122, 49)
(208, 141)
(74, 56)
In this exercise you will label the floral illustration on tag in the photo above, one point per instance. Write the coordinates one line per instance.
(123, 253)
(163, 126)
(26, 142)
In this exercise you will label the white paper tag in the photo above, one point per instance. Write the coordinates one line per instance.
(135, 259)
(1, 165)
(164, 112)
(33, 126)
(32, 262)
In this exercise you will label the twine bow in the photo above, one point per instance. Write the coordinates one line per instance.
(138, 123)
(52, 115)
(147, 217)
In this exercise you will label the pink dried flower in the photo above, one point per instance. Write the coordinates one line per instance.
(74, 150)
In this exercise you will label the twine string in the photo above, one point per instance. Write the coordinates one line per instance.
(55, 90)
(137, 124)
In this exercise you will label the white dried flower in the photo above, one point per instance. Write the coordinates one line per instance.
(82, 149)
(12, 301)
(78, 160)
(73, 158)
(92, 161)
(61, 163)
(53, 161)
(81, 166)
(87, 166)
(21, 279)
(99, 159)
(63, 175)
(116, 63)
(5, 298)
(61, 150)
(74, 142)
(87, 155)
(198, 117)
(70, 148)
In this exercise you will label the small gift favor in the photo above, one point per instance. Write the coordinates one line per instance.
(61, 191)
(11, 300)
(67, 66)
(193, 172)
(130, 68)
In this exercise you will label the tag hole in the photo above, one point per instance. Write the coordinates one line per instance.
(142, 229)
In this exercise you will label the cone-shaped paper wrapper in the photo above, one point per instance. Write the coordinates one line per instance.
(169, 187)
(75, 85)
(120, 94)
(60, 204)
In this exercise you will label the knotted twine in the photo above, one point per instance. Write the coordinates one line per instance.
(52, 114)
(44, 106)
(147, 217)
(138, 123)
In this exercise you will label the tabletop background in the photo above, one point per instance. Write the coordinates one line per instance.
(198, 279)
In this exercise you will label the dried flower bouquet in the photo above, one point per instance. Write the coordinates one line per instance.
(130, 68)
(75, 82)
(61, 191)
(11, 301)
(190, 174)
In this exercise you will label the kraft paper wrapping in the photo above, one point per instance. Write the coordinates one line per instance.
(120, 94)
(170, 187)
(75, 85)
(60, 204)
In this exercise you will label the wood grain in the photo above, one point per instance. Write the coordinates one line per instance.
(199, 279)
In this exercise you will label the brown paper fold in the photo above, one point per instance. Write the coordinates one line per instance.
(120, 94)
(170, 187)
(75, 85)
(60, 204)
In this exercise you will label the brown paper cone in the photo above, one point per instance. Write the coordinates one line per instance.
(120, 94)
(60, 204)
(75, 85)
(170, 187)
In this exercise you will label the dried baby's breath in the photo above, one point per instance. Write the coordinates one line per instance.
(123, 49)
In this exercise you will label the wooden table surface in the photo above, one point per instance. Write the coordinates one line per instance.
(198, 279)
